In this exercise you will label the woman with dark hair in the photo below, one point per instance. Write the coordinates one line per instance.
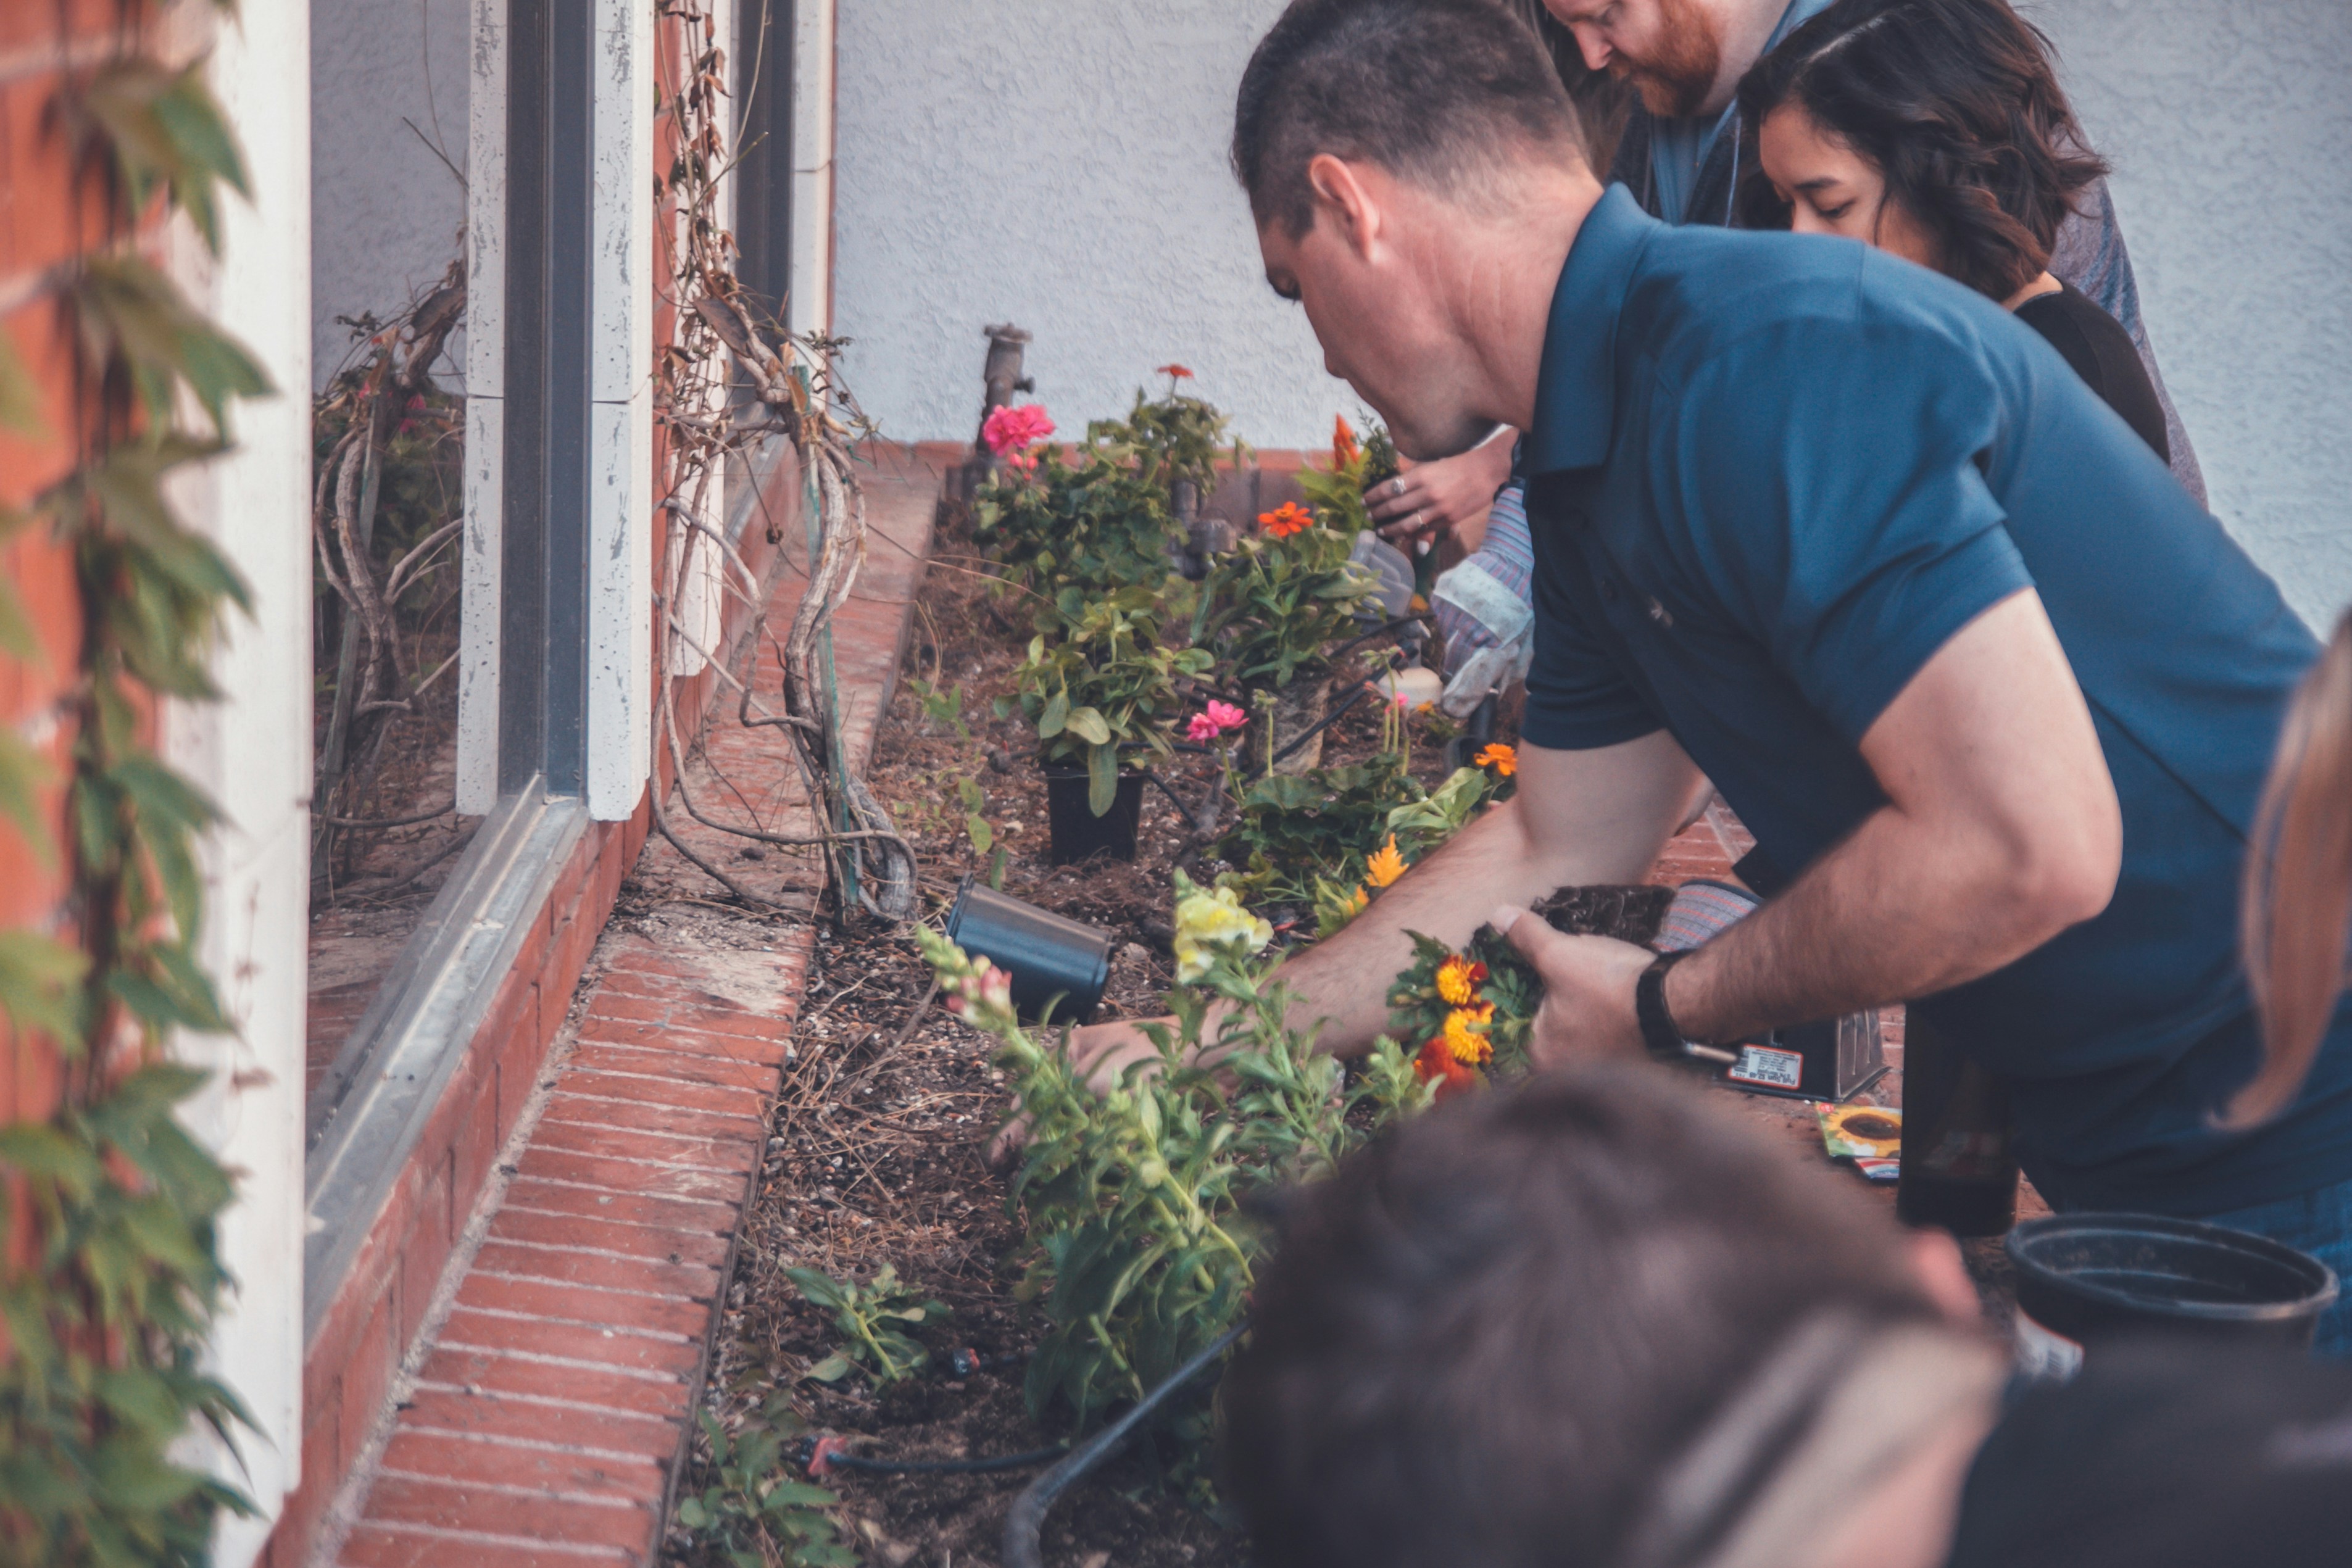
(1936, 129)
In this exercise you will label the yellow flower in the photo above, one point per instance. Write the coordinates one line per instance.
(1501, 758)
(1466, 1039)
(1458, 979)
(1211, 923)
(1385, 866)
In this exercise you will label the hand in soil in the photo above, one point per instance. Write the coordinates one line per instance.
(1588, 1006)
(1106, 1050)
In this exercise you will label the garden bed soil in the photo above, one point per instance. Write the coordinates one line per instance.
(876, 1146)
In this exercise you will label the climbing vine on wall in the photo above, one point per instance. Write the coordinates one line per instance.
(110, 1272)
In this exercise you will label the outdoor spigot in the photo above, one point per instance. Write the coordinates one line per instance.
(1001, 377)
(1202, 537)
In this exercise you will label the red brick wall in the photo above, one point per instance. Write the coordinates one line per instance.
(52, 208)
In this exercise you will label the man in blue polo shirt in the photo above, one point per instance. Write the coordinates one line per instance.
(1995, 696)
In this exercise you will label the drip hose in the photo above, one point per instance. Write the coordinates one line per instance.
(1024, 1526)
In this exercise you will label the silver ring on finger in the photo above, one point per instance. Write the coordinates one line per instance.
(1396, 486)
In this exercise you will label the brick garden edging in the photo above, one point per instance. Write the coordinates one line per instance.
(544, 1411)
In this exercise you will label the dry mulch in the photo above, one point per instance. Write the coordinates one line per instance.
(875, 1149)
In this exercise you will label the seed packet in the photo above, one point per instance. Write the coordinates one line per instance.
(1861, 1131)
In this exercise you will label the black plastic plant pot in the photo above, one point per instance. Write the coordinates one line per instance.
(1078, 832)
(2089, 1278)
(1053, 961)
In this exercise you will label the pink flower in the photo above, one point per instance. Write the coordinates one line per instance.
(1011, 429)
(1214, 721)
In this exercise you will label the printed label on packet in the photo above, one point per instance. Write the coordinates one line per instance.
(1761, 1064)
(1878, 1167)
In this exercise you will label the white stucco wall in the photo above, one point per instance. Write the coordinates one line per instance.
(388, 211)
(2231, 131)
(1063, 167)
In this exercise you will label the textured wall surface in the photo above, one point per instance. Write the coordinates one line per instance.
(1062, 167)
(386, 212)
(2231, 131)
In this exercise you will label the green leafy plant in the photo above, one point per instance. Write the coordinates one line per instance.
(114, 1271)
(1096, 528)
(1323, 827)
(940, 705)
(1109, 683)
(1272, 606)
(1170, 437)
(975, 825)
(754, 1515)
(875, 1319)
(1140, 1253)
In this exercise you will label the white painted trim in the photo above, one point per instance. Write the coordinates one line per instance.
(813, 166)
(485, 379)
(621, 498)
(251, 753)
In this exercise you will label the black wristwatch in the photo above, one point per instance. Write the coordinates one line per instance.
(1660, 1036)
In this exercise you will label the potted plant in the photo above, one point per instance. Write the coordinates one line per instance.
(1107, 682)
(1271, 609)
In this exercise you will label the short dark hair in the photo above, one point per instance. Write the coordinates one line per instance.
(1483, 1339)
(1956, 102)
(1435, 90)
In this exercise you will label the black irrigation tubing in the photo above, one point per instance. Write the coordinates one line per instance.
(1363, 689)
(1025, 1524)
(1398, 624)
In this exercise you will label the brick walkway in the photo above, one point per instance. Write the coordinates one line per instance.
(542, 1422)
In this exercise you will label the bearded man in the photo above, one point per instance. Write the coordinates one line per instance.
(1684, 149)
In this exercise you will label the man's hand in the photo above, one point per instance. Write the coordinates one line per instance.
(1103, 1052)
(1588, 1007)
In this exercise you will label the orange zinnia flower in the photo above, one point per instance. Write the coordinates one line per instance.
(1386, 865)
(1458, 979)
(1285, 520)
(1343, 442)
(1502, 760)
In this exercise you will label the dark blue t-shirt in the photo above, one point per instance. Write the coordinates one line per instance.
(1769, 477)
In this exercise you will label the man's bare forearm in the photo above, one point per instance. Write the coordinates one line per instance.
(1578, 818)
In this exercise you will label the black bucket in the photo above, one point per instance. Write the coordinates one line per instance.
(2085, 1278)
(1078, 832)
(1050, 959)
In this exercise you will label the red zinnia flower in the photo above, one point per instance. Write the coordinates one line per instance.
(1436, 1064)
(1177, 372)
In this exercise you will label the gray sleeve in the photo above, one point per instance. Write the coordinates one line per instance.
(2091, 254)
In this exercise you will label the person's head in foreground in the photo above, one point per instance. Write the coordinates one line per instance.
(1402, 157)
(1932, 129)
(1591, 1321)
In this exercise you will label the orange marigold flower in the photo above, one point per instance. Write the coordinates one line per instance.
(1458, 979)
(1502, 760)
(1344, 450)
(1465, 1037)
(1386, 865)
(1176, 372)
(1285, 520)
(1435, 1063)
